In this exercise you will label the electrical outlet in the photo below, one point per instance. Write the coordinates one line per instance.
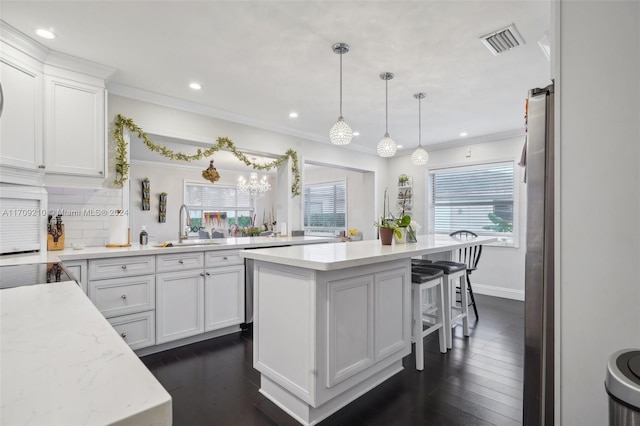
(468, 153)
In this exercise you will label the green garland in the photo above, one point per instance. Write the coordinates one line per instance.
(122, 166)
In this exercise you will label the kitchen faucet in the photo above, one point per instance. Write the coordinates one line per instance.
(182, 232)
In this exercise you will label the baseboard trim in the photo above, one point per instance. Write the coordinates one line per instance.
(505, 293)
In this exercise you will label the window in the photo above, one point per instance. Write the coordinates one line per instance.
(325, 208)
(476, 198)
(216, 209)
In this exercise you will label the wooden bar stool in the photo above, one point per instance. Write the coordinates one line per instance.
(427, 310)
(455, 274)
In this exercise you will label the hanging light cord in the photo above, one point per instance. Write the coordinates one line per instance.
(386, 105)
(419, 121)
(341, 84)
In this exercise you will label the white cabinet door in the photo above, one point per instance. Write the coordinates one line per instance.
(350, 333)
(75, 127)
(21, 122)
(392, 307)
(179, 305)
(224, 297)
(78, 269)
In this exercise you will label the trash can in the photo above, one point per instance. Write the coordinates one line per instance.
(623, 386)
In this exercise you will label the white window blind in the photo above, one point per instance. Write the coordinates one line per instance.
(325, 207)
(218, 197)
(474, 198)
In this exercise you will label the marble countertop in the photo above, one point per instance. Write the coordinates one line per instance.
(63, 364)
(326, 257)
(151, 248)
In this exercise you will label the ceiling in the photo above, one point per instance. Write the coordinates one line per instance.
(259, 60)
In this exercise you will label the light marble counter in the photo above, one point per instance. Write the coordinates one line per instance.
(327, 257)
(63, 364)
(138, 250)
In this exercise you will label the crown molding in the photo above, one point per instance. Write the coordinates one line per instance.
(492, 137)
(22, 42)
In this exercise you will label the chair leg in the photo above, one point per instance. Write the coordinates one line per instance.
(417, 327)
(441, 333)
(465, 309)
(473, 300)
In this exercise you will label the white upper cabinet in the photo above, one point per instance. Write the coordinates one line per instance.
(52, 128)
(74, 127)
(21, 121)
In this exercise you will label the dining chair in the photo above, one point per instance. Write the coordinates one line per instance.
(470, 256)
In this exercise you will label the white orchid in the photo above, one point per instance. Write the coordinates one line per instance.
(415, 226)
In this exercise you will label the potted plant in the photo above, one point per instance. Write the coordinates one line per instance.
(387, 227)
(403, 222)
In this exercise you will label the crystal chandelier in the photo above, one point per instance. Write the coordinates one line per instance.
(419, 156)
(386, 147)
(340, 133)
(254, 187)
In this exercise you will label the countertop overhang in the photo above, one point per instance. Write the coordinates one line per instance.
(327, 257)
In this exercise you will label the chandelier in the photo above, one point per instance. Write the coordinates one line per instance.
(254, 187)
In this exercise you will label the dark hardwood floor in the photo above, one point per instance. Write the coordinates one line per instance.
(478, 382)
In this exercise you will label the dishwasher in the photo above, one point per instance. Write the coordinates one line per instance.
(248, 288)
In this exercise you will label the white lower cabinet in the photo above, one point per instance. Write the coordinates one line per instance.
(180, 305)
(78, 269)
(224, 297)
(138, 330)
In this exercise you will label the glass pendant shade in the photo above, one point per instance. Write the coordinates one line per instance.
(340, 133)
(419, 157)
(387, 147)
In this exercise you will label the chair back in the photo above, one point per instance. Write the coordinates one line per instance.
(468, 255)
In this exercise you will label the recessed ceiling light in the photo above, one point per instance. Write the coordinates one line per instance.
(195, 86)
(45, 33)
(398, 146)
(463, 134)
(293, 115)
(356, 133)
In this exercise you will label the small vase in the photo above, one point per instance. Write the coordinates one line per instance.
(403, 236)
(411, 235)
(386, 236)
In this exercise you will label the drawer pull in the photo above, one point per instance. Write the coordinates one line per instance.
(225, 258)
(124, 266)
(124, 297)
(180, 261)
(124, 336)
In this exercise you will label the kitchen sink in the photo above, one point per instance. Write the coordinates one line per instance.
(203, 242)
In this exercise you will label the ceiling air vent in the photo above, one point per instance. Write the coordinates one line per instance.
(502, 40)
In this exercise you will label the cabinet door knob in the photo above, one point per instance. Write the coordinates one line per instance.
(202, 274)
(207, 274)
(124, 297)
(101, 172)
(124, 335)
(180, 261)
(224, 258)
(41, 166)
(124, 266)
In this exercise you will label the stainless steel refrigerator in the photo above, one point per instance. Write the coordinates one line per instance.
(539, 269)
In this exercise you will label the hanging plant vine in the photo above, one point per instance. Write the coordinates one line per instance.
(122, 166)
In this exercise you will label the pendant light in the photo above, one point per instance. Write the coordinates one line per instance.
(386, 147)
(419, 156)
(340, 133)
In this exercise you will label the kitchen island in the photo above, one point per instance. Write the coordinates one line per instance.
(333, 321)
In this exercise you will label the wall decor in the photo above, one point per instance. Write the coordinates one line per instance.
(146, 194)
(162, 208)
(122, 166)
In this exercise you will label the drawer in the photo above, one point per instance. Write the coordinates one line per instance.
(180, 261)
(223, 257)
(118, 267)
(138, 330)
(121, 296)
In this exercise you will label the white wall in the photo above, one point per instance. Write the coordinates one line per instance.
(501, 269)
(598, 279)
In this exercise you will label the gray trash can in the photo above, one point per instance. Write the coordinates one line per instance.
(623, 386)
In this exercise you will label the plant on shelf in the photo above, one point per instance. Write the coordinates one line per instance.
(403, 179)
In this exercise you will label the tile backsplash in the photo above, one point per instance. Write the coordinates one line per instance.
(85, 213)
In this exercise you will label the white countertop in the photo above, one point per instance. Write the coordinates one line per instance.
(327, 257)
(63, 364)
(137, 250)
